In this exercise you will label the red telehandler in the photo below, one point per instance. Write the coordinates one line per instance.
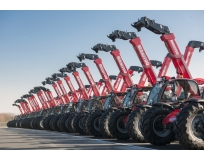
(135, 129)
(76, 103)
(65, 103)
(27, 111)
(37, 121)
(26, 122)
(13, 122)
(117, 120)
(89, 91)
(178, 112)
(132, 124)
(58, 105)
(97, 121)
(92, 103)
(23, 110)
(95, 102)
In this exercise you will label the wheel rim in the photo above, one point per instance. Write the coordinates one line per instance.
(158, 127)
(41, 123)
(121, 125)
(80, 124)
(96, 124)
(195, 126)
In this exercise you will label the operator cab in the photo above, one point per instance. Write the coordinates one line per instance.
(174, 90)
(136, 95)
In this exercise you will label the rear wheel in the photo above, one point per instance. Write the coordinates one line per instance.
(134, 125)
(188, 127)
(61, 123)
(34, 123)
(85, 123)
(93, 123)
(69, 123)
(104, 120)
(152, 128)
(40, 123)
(46, 122)
(117, 124)
(53, 123)
(77, 123)
(202, 126)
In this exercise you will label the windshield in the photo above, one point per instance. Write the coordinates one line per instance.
(153, 95)
(69, 107)
(89, 105)
(79, 106)
(110, 100)
(52, 110)
(127, 99)
(141, 97)
(107, 102)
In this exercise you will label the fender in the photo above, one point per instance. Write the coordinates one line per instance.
(144, 106)
(194, 100)
(171, 117)
(199, 104)
(163, 104)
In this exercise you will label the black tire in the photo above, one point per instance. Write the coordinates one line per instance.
(187, 124)
(69, 123)
(27, 123)
(39, 123)
(46, 122)
(17, 124)
(85, 124)
(202, 126)
(77, 123)
(104, 120)
(9, 124)
(152, 127)
(93, 124)
(35, 123)
(134, 125)
(58, 123)
(30, 123)
(61, 123)
(117, 126)
(22, 123)
(53, 123)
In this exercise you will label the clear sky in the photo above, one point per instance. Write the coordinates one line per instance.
(36, 44)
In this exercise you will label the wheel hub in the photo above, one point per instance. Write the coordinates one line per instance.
(121, 125)
(96, 123)
(159, 128)
(195, 127)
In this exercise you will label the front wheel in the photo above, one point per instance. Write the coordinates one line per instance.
(134, 125)
(154, 131)
(188, 127)
(77, 123)
(69, 123)
(93, 124)
(85, 123)
(61, 123)
(117, 124)
(103, 123)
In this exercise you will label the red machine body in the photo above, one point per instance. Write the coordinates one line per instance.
(81, 85)
(104, 74)
(180, 63)
(72, 89)
(91, 80)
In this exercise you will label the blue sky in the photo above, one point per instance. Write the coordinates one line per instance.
(36, 44)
